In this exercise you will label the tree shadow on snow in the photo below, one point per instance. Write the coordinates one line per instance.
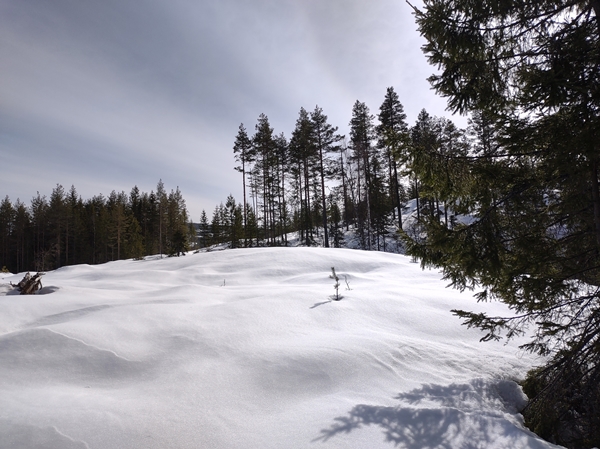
(449, 417)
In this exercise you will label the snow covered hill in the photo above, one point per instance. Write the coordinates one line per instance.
(246, 349)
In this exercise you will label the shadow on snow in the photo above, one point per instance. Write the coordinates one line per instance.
(475, 415)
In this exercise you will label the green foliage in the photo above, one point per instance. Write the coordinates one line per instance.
(570, 416)
(336, 284)
(67, 230)
(393, 138)
(288, 182)
(529, 72)
(335, 218)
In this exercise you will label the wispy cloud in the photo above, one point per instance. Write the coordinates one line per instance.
(105, 95)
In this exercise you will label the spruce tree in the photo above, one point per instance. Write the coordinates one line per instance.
(7, 219)
(530, 69)
(177, 224)
(120, 220)
(204, 230)
(160, 227)
(39, 211)
(216, 226)
(57, 220)
(22, 237)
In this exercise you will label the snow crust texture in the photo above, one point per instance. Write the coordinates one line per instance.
(247, 349)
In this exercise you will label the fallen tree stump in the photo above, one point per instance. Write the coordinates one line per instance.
(29, 284)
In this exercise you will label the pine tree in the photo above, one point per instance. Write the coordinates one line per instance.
(22, 237)
(235, 220)
(161, 216)
(266, 164)
(303, 157)
(39, 211)
(120, 221)
(57, 221)
(244, 154)
(337, 236)
(216, 226)
(530, 69)
(282, 156)
(423, 144)
(177, 224)
(325, 138)
(392, 135)
(204, 230)
(97, 218)
(134, 245)
(7, 219)
(251, 229)
(361, 138)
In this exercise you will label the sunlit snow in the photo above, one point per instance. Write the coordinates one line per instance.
(246, 349)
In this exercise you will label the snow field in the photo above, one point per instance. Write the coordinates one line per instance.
(246, 349)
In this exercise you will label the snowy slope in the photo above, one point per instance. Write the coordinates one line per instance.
(245, 349)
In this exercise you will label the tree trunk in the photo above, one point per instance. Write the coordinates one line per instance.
(397, 191)
(596, 198)
(325, 233)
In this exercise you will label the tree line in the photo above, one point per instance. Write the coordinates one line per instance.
(64, 229)
(319, 183)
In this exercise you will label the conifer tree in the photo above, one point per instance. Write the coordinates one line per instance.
(244, 154)
(204, 230)
(134, 245)
(216, 226)
(177, 223)
(325, 138)
(530, 69)
(423, 143)
(264, 146)
(303, 155)
(119, 222)
(251, 230)
(57, 220)
(235, 221)
(392, 134)
(39, 211)
(7, 218)
(75, 230)
(361, 138)
(337, 236)
(161, 205)
(21, 238)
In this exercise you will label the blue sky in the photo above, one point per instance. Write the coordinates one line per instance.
(110, 94)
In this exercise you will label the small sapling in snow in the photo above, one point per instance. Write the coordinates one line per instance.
(336, 285)
(347, 283)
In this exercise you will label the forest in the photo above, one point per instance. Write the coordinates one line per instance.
(525, 173)
(65, 230)
(319, 183)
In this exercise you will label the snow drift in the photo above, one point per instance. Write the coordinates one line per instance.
(246, 349)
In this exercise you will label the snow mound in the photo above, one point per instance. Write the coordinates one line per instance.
(246, 349)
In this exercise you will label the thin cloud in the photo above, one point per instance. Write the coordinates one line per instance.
(113, 94)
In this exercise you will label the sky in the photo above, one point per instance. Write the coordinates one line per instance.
(105, 95)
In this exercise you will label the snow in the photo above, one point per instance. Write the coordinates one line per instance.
(246, 349)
